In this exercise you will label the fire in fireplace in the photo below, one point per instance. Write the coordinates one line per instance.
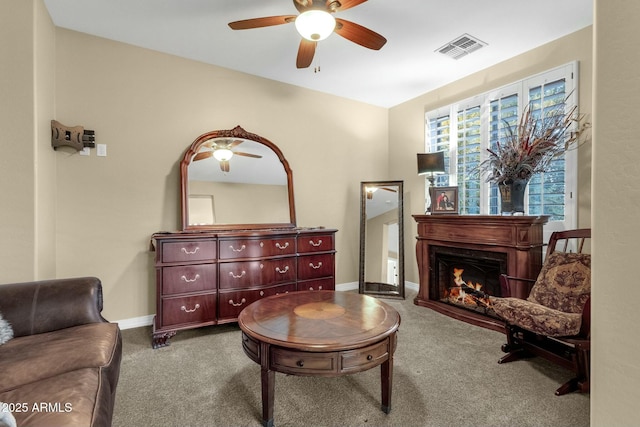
(466, 278)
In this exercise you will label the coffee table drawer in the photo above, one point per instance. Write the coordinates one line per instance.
(303, 363)
(251, 347)
(364, 358)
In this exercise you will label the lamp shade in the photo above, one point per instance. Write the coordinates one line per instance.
(430, 162)
(315, 25)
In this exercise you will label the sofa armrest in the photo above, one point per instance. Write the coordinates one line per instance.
(49, 305)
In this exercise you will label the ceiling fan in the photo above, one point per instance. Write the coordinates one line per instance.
(222, 150)
(316, 22)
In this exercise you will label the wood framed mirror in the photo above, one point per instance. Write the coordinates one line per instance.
(381, 239)
(234, 179)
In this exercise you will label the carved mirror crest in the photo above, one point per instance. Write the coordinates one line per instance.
(233, 179)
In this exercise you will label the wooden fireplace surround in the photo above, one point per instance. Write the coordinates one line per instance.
(520, 237)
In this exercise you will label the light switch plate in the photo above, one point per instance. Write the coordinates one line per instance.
(101, 150)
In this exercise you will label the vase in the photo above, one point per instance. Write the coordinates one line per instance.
(512, 196)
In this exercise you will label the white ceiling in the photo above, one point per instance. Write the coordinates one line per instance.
(404, 68)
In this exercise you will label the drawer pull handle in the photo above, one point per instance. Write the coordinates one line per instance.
(300, 363)
(191, 252)
(279, 246)
(190, 310)
(315, 267)
(278, 293)
(261, 293)
(320, 287)
(312, 243)
(310, 288)
(238, 276)
(242, 248)
(197, 276)
(369, 357)
(286, 268)
(242, 301)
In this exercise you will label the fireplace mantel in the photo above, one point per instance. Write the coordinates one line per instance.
(519, 237)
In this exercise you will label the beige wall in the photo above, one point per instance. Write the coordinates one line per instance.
(407, 129)
(27, 165)
(148, 108)
(615, 364)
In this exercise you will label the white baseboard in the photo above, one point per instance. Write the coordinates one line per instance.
(136, 322)
(139, 322)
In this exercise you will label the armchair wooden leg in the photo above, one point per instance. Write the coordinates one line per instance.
(568, 387)
(516, 354)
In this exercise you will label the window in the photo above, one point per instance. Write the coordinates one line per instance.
(465, 130)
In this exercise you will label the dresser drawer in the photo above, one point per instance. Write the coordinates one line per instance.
(315, 266)
(256, 248)
(198, 250)
(326, 284)
(231, 303)
(303, 363)
(364, 358)
(244, 274)
(188, 278)
(315, 243)
(192, 309)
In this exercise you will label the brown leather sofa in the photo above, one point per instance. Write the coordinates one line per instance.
(62, 366)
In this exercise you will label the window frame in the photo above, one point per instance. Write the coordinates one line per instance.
(568, 72)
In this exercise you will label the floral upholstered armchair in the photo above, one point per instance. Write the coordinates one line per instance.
(554, 321)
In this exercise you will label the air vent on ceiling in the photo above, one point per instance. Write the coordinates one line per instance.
(463, 45)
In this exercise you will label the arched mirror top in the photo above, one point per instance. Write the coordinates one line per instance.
(234, 179)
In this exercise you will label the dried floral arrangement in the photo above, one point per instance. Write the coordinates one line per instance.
(529, 147)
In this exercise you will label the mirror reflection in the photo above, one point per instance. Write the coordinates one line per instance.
(381, 239)
(230, 179)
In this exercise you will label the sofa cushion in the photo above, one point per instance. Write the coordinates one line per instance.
(68, 399)
(564, 283)
(537, 318)
(33, 358)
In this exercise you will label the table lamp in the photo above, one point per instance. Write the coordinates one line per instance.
(429, 163)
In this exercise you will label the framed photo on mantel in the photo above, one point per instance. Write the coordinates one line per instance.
(444, 200)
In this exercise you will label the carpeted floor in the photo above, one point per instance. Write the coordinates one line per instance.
(445, 374)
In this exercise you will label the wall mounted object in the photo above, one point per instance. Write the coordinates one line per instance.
(71, 136)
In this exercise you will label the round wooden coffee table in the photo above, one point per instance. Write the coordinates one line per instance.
(319, 333)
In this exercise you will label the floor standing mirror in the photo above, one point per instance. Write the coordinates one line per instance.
(381, 239)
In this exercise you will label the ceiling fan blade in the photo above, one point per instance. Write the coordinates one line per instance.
(234, 143)
(389, 189)
(346, 4)
(305, 53)
(203, 155)
(359, 34)
(224, 165)
(255, 156)
(268, 21)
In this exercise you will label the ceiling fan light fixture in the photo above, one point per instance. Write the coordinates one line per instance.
(315, 25)
(222, 154)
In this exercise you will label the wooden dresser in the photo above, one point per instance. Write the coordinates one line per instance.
(209, 277)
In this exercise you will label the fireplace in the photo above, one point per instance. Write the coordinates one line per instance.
(460, 259)
(466, 278)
